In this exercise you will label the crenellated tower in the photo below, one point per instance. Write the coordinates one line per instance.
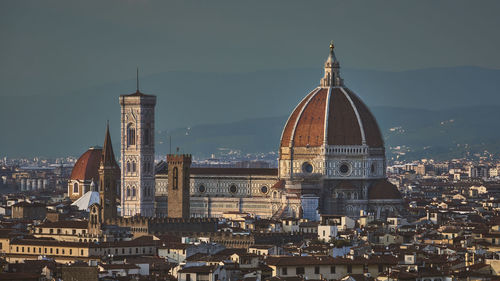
(178, 185)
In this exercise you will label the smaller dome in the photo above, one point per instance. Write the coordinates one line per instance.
(87, 166)
(83, 203)
(383, 190)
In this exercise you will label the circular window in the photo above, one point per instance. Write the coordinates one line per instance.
(344, 168)
(232, 188)
(263, 189)
(201, 188)
(307, 167)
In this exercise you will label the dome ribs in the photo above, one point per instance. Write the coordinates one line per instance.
(290, 124)
(370, 126)
(310, 129)
(343, 126)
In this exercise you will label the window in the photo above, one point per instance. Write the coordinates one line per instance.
(299, 270)
(307, 167)
(128, 167)
(70, 251)
(264, 189)
(316, 270)
(81, 252)
(175, 174)
(75, 187)
(380, 268)
(285, 271)
(128, 191)
(130, 135)
(349, 268)
(133, 191)
(134, 167)
(332, 269)
(188, 277)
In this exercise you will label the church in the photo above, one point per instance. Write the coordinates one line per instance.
(331, 162)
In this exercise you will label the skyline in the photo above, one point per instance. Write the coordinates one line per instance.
(224, 62)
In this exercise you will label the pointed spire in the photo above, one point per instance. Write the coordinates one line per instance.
(332, 70)
(108, 156)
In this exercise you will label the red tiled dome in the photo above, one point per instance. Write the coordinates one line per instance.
(336, 112)
(87, 166)
(383, 189)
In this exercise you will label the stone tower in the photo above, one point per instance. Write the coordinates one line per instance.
(178, 185)
(95, 219)
(137, 154)
(109, 180)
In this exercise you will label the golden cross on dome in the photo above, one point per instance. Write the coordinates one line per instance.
(331, 45)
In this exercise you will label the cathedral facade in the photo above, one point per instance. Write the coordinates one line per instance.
(331, 161)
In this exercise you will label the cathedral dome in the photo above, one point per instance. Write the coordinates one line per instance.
(87, 166)
(331, 116)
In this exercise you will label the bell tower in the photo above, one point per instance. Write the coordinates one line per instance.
(109, 180)
(137, 154)
(178, 185)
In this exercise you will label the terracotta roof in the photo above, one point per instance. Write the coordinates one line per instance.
(139, 94)
(327, 260)
(279, 185)
(87, 166)
(118, 266)
(347, 118)
(65, 224)
(198, 269)
(27, 204)
(383, 189)
(235, 171)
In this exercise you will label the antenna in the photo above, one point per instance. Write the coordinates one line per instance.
(137, 78)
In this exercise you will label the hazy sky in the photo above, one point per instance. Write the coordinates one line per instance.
(60, 46)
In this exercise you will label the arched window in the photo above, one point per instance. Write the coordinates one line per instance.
(128, 192)
(130, 134)
(75, 187)
(133, 192)
(175, 183)
(128, 167)
(133, 167)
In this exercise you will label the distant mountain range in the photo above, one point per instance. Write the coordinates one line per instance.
(438, 134)
(433, 111)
